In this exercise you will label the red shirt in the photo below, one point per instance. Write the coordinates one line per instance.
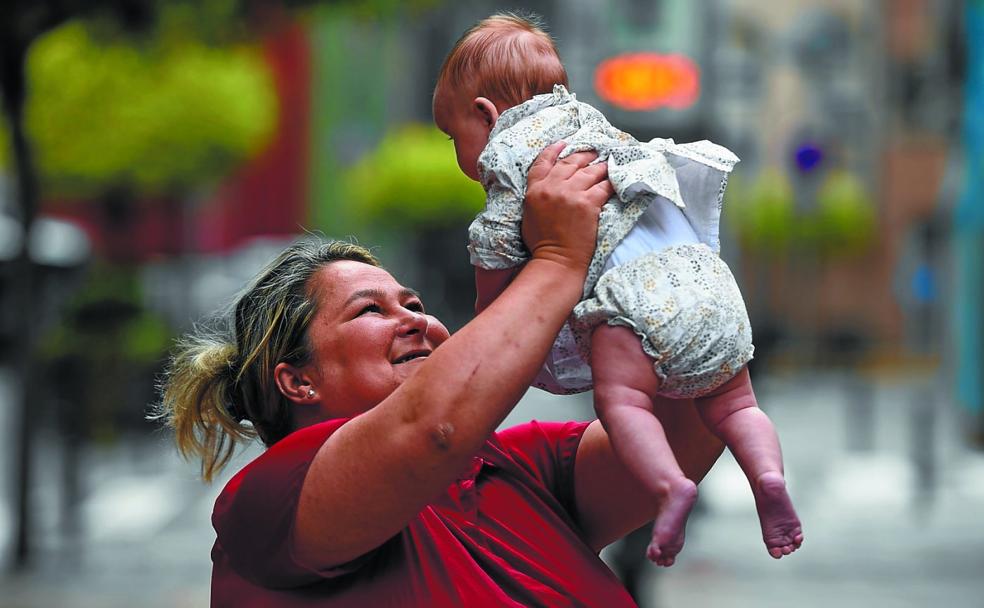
(503, 535)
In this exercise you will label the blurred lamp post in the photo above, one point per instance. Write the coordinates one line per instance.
(52, 73)
(968, 227)
(57, 250)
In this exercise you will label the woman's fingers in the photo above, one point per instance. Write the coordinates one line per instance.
(564, 197)
(581, 159)
(549, 164)
(571, 165)
(545, 162)
(587, 176)
(601, 192)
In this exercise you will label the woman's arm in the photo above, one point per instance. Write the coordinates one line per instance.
(610, 502)
(375, 473)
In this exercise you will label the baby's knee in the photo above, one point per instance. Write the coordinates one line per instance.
(737, 391)
(613, 399)
(731, 397)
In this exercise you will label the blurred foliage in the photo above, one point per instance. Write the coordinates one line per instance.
(412, 180)
(106, 320)
(105, 353)
(215, 22)
(167, 113)
(844, 223)
(764, 214)
(380, 9)
(4, 148)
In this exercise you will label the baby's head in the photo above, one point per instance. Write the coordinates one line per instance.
(498, 63)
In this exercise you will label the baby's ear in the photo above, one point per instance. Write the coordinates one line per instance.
(489, 112)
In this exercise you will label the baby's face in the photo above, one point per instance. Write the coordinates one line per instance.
(465, 125)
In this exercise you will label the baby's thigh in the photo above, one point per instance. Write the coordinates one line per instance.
(685, 304)
(618, 361)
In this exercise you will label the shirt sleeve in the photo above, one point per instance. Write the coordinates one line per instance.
(548, 451)
(254, 515)
(495, 239)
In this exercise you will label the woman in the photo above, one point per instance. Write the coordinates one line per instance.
(384, 483)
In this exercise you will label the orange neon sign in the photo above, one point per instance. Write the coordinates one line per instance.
(647, 81)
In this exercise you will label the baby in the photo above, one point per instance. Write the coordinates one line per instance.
(661, 315)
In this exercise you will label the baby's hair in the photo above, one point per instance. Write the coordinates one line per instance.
(508, 58)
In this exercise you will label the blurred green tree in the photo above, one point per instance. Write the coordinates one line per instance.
(845, 216)
(411, 181)
(167, 114)
(762, 212)
(133, 101)
(114, 346)
(24, 21)
(782, 231)
(77, 164)
(765, 217)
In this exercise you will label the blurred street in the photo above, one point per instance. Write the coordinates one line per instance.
(892, 513)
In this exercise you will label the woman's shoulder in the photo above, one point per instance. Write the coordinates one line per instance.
(542, 448)
(539, 456)
(254, 513)
(281, 463)
(540, 431)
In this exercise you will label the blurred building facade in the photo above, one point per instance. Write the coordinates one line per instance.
(968, 223)
(871, 90)
(853, 108)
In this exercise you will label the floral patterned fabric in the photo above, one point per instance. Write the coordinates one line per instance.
(684, 304)
(692, 177)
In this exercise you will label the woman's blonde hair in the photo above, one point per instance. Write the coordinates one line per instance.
(219, 387)
(508, 58)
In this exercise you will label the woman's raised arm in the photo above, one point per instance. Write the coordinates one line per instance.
(377, 471)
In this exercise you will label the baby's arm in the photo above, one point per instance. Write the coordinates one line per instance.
(490, 283)
(496, 244)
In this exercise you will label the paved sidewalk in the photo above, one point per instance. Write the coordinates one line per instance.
(893, 517)
(895, 521)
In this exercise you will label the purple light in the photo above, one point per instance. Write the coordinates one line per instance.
(808, 157)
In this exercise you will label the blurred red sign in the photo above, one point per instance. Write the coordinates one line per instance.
(647, 81)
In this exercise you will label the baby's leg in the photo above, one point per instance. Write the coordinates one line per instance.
(733, 415)
(624, 386)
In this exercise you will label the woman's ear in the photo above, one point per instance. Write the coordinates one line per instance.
(487, 109)
(294, 384)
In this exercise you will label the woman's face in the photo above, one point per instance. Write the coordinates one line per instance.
(369, 334)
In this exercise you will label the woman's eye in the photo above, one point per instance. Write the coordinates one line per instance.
(369, 308)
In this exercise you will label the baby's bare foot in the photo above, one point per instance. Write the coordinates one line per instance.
(781, 529)
(671, 523)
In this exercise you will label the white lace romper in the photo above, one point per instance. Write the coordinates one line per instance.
(655, 267)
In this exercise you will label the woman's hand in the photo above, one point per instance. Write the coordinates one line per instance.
(563, 200)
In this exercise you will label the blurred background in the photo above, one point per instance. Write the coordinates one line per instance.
(154, 155)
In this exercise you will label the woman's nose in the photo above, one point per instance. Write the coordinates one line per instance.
(414, 322)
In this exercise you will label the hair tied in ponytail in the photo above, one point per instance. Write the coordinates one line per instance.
(233, 410)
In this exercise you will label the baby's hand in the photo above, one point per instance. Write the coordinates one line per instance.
(563, 200)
